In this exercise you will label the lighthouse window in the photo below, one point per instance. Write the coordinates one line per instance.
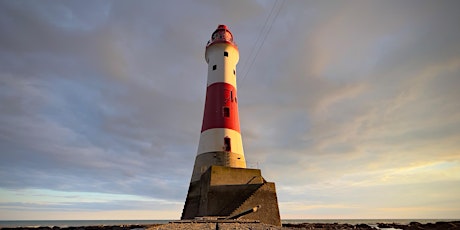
(227, 144)
(226, 54)
(234, 72)
(214, 67)
(226, 111)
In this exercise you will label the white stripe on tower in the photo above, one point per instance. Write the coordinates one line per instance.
(220, 139)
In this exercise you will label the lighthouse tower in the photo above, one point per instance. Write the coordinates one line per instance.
(221, 186)
(220, 139)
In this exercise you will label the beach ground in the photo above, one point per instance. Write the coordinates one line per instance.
(448, 225)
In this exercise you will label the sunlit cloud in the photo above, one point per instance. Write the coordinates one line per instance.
(352, 109)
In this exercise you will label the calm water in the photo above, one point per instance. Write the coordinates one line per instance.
(76, 223)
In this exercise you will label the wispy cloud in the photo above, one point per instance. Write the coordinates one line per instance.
(349, 108)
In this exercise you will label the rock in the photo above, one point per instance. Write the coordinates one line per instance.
(452, 225)
(363, 226)
(334, 226)
(392, 225)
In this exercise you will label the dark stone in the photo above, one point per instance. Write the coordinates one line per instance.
(441, 225)
(325, 226)
(363, 226)
(43, 228)
(447, 225)
(392, 225)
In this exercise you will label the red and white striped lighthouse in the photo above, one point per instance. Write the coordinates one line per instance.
(220, 141)
(221, 185)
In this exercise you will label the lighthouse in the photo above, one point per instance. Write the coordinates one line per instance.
(221, 187)
(220, 140)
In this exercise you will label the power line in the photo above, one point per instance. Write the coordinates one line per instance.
(248, 69)
(245, 65)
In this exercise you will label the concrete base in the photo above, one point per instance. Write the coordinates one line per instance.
(222, 158)
(225, 191)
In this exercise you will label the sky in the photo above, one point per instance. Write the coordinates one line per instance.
(351, 107)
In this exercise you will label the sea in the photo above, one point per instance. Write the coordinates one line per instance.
(78, 223)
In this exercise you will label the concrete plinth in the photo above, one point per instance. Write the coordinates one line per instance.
(225, 191)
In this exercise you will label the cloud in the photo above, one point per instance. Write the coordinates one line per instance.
(344, 103)
(374, 107)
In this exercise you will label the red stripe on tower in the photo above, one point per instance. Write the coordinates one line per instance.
(221, 109)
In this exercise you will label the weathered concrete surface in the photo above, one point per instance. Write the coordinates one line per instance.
(265, 196)
(220, 175)
(224, 191)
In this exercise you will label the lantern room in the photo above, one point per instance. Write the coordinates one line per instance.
(221, 34)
